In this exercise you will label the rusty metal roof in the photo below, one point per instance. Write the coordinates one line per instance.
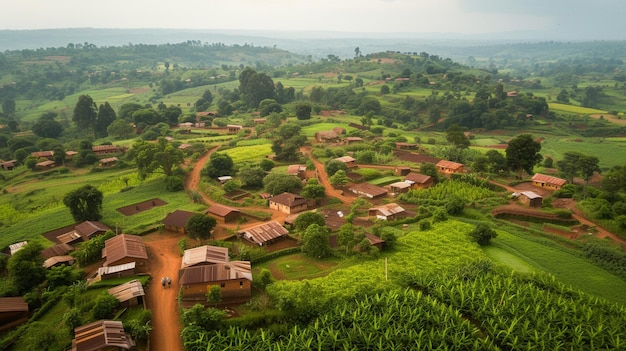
(54, 260)
(13, 304)
(221, 210)
(115, 269)
(178, 218)
(204, 254)
(216, 272)
(122, 246)
(127, 291)
(417, 178)
(368, 189)
(449, 164)
(102, 334)
(288, 199)
(538, 177)
(88, 228)
(263, 233)
(56, 250)
(388, 209)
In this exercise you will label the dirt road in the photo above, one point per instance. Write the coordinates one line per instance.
(164, 261)
(323, 178)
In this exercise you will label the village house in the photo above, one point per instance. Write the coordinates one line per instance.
(13, 312)
(8, 165)
(259, 120)
(129, 294)
(56, 261)
(100, 150)
(531, 199)
(449, 167)
(368, 190)
(125, 248)
(233, 128)
(339, 130)
(83, 232)
(375, 241)
(119, 271)
(56, 250)
(419, 181)
(45, 164)
(107, 162)
(288, 203)
(70, 154)
(104, 335)
(388, 212)
(326, 136)
(402, 170)
(234, 279)
(43, 154)
(264, 234)
(184, 146)
(13, 248)
(352, 140)
(349, 161)
(297, 171)
(224, 213)
(548, 182)
(177, 220)
(204, 255)
(400, 187)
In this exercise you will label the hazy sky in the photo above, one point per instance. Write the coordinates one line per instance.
(582, 19)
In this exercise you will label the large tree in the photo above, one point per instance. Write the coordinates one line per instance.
(315, 241)
(220, 164)
(251, 177)
(85, 113)
(277, 183)
(151, 157)
(106, 116)
(522, 154)
(456, 137)
(306, 219)
(26, 269)
(313, 190)
(47, 128)
(199, 226)
(120, 129)
(255, 87)
(85, 203)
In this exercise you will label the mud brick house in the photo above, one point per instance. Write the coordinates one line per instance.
(326, 136)
(530, 198)
(13, 311)
(388, 212)
(233, 128)
(368, 190)
(348, 160)
(83, 232)
(548, 182)
(449, 167)
(101, 335)
(100, 150)
(125, 248)
(297, 171)
(177, 220)
(129, 294)
(264, 234)
(224, 213)
(419, 181)
(233, 278)
(204, 255)
(399, 187)
(288, 203)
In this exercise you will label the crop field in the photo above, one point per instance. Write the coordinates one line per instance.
(573, 109)
(249, 153)
(609, 153)
(310, 131)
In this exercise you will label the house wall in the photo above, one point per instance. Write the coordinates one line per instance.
(236, 289)
(426, 185)
(531, 202)
(233, 216)
(400, 190)
(126, 273)
(450, 170)
(176, 229)
(546, 185)
(286, 209)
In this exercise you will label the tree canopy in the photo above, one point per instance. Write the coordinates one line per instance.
(199, 226)
(522, 154)
(315, 241)
(151, 157)
(85, 203)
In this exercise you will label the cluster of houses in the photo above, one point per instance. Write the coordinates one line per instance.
(45, 158)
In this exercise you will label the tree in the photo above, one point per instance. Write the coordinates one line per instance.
(106, 116)
(46, 128)
(25, 268)
(127, 110)
(384, 89)
(313, 190)
(199, 226)
(62, 276)
(305, 220)
(348, 236)
(497, 161)
(120, 129)
(214, 295)
(434, 114)
(231, 186)
(255, 87)
(332, 166)
(266, 164)
(278, 183)
(171, 114)
(339, 178)
(151, 157)
(104, 307)
(85, 203)
(483, 234)
(251, 177)
(58, 155)
(220, 164)
(522, 154)
(205, 318)
(85, 113)
(588, 166)
(456, 137)
(303, 111)
(207, 96)
(315, 241)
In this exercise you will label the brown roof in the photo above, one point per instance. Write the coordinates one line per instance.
(216, 272)
(345, 159)
(42, 153)
(295, 169)
(104, 161)
(326, 134)
(373, 239)
(127, 291)
(56, 250)
(52, 261)
(531, 195)
(178, 218)
(122, 246)
(367, 188)
(388, 209)
(184, 146)
(100, 335)
(417, 178)
(221, 210)
(204, 254)
(105, 148)
(288, 199)
(538, 177)
(13, 304)
(264, 232)
(89, 228)
(449, 164)
(45, 163)
(400, 185)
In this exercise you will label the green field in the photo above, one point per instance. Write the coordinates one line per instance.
(574, 109)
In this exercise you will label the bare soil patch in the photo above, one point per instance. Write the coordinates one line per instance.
(140, 206)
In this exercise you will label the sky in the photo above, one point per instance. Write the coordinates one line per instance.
(546, 19)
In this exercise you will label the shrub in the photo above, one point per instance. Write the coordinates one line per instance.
(424, 225)
(174, 183)
(483, 234)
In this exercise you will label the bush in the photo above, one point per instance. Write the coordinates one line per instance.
(174, 183)
(424, 225)
(104, 307)
(483, 234)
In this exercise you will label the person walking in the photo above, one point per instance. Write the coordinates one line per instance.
(169, 282)
(163, 280)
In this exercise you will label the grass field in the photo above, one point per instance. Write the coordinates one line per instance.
(610, 152)
(573, 109)
(249, 153)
